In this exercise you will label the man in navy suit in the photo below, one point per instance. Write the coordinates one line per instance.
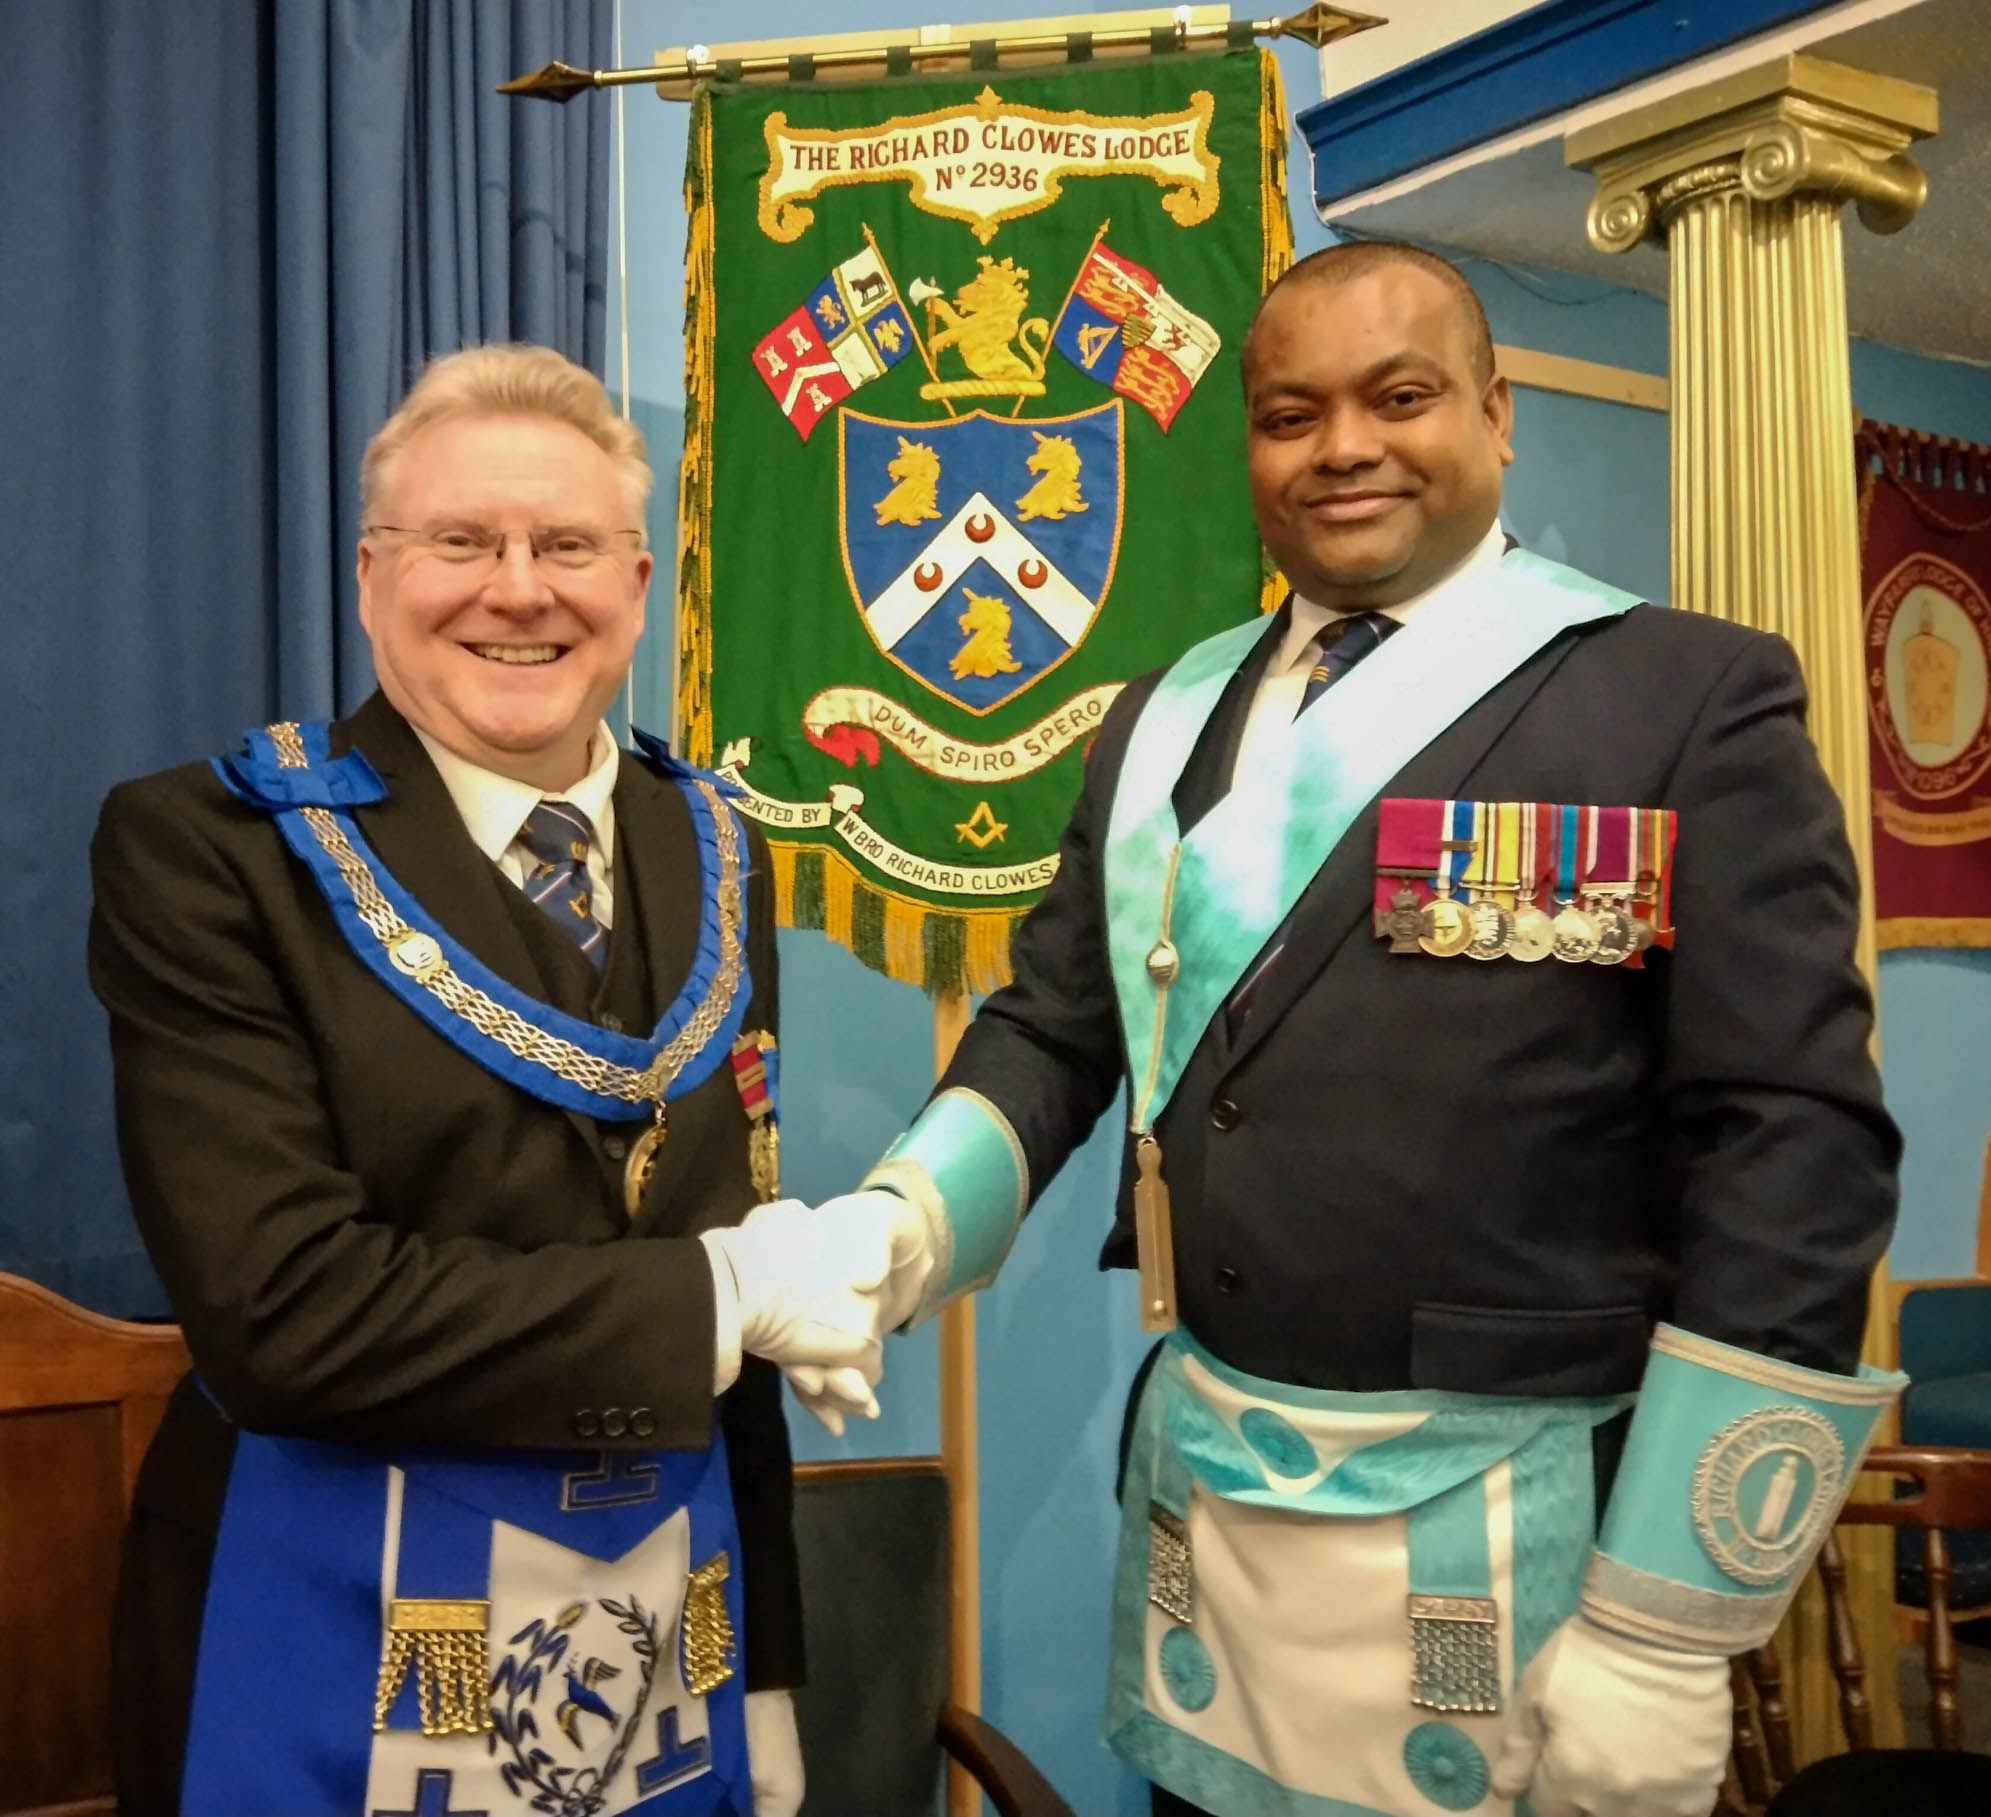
(1394, 1537)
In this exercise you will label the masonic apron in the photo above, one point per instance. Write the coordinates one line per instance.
(415, 1632)
(1322, 1600)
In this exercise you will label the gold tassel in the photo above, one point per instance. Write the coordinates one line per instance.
(905, 947)
(784, 884)
(445, 1642)
(707, 1628)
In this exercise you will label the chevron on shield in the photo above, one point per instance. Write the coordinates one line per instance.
(980, 549)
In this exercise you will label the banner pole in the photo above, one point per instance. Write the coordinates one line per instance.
(959, 1458)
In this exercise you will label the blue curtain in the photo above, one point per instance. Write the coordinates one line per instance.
(231, 233)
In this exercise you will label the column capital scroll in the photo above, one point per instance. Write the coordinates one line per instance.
(1793, 125)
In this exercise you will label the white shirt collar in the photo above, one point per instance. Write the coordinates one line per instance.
(494, 807)
(1309, 620)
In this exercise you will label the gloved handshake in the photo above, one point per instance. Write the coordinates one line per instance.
(815, 1290)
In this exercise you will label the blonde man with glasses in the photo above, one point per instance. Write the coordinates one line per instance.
(444, 1041)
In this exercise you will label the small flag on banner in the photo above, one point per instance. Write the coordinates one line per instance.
(1122, 327)
(851, 329)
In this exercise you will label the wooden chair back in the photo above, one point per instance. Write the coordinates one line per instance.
(80, 1397)
(1952, 1490)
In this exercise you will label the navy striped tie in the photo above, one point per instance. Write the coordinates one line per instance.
(1343, 643)
(557, 834)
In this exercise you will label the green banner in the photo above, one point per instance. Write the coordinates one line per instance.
(964, 451)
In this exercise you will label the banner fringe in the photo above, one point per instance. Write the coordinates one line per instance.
(941, 950)
(1900, 931)
(694, 569)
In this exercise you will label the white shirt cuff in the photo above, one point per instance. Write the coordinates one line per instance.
(725, 1315)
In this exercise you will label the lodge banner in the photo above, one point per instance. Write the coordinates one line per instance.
(964, 452)
(1925, 559)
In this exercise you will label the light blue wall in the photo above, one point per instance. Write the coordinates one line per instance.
(1056, 1340)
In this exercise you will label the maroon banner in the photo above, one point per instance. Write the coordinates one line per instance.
(1925, 573)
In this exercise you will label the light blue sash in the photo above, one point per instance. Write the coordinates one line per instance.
(1237, 874)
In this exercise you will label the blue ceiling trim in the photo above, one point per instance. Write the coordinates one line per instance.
(1552, 57)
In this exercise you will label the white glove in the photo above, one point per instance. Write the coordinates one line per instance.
(830, 1393)
(774, 1754)
(795, 1287)
(912, 1256)
(1607, 1726)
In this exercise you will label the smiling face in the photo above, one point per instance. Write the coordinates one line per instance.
(1375, 447)
(511, 666)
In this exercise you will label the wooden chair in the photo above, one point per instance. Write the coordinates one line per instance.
(874, 1716)
(80, 1397)
(1952, 1491)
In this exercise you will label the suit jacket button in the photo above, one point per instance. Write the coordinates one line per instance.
(1229, 1281)
(614, 1147)
(587, 1423)
(1223, 1114)
(642, 1422)
(614, 1422)
(612, 1022)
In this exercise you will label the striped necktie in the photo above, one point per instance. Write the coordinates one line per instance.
(1343, 643)
(557, 834)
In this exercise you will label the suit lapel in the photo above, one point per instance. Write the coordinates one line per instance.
(1342, 894)
(421, 840)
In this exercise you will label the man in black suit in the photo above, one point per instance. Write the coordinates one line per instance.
(482, 1486)
(1392, 1537)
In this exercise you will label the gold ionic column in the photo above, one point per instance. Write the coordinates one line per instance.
(1743, 180)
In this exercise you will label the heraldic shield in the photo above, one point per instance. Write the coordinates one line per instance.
(979, 550)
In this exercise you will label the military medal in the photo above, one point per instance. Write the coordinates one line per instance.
(1574, 931)
(1533, 938)
(1614, 933)
(1445, 927)
(1489, 921)
(1609, 858)
(1403, 922)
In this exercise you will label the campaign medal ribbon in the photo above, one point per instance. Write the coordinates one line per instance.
(1533, 938)
(1608, 882)
(1445, 927)
(1489, 919)
(1575, 930)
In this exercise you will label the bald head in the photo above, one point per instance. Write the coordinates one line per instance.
(1337, 265)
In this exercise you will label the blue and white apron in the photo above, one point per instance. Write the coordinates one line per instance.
(566, 1622)
(1322, 1601)
(438, 1632)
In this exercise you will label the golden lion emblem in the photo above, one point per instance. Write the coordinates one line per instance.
(1056, 494)
(985, 325)
(917, 469)
(986, 652)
